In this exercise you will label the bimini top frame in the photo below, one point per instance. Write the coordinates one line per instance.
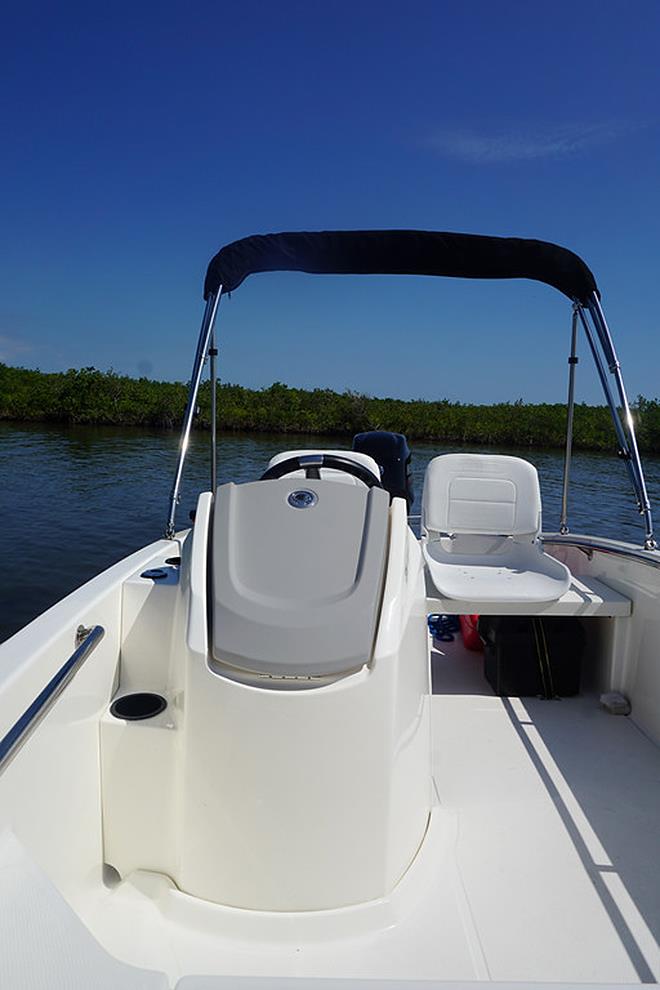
(420, 252)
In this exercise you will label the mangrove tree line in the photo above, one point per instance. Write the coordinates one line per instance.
(87, 395)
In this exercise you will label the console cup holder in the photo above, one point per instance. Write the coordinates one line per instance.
(134, 707)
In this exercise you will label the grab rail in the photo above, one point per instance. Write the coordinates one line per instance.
(601, 544)
(22, 728)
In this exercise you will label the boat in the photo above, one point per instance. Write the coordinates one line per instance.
(238, 758)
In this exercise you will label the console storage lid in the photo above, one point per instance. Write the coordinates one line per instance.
(296, 588)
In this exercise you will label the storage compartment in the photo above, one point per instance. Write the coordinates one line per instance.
(297, 577)
(531, 656)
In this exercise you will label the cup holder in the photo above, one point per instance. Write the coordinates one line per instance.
(134, 707)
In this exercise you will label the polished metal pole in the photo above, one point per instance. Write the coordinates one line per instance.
(572, 362)
(627, 444)
(602, 374)
(205, 332)
(643, 503)
(20, 731)
(213, 353)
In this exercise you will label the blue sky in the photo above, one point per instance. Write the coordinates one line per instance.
(137, 139)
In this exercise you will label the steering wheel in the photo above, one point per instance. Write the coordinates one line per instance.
(312, 463)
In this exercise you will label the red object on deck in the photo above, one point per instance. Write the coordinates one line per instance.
(471, 638)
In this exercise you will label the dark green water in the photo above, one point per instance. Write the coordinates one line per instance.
(75, 500)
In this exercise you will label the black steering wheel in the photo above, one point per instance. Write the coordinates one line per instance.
(312, 463)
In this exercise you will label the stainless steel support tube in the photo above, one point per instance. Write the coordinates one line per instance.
(602, 374)
(626, 436)
(644, 505)
(205, 332)
(213, 353)
(572, 362)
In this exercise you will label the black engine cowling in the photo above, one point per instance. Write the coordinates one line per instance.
(392, 454)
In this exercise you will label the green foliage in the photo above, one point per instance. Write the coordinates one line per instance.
(90, 396)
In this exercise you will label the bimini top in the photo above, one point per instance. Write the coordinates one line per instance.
(400, 252)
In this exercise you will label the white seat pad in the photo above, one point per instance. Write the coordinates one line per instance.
(521, 572)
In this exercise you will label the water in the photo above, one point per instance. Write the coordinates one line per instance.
(76, 499)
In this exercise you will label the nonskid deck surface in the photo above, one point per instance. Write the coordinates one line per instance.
(558, 804)
(540, 864)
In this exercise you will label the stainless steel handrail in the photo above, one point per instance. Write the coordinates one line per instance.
(601, 544)
(23, 726)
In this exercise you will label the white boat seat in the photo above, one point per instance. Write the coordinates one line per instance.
(330, 474)
(481, 520)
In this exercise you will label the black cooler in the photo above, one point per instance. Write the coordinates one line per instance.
(529, 656)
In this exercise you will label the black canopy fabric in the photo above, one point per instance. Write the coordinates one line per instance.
(400, 252)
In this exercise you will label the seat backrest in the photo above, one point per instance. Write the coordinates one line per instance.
(481, 494)
(329, 474)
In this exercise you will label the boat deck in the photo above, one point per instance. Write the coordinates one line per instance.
(540, 864)
(557, 842)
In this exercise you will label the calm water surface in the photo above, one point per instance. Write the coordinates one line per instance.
(76, 499)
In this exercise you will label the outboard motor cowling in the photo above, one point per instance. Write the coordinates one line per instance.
(392, 454)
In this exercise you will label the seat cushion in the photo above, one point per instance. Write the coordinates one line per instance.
(509, 572)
